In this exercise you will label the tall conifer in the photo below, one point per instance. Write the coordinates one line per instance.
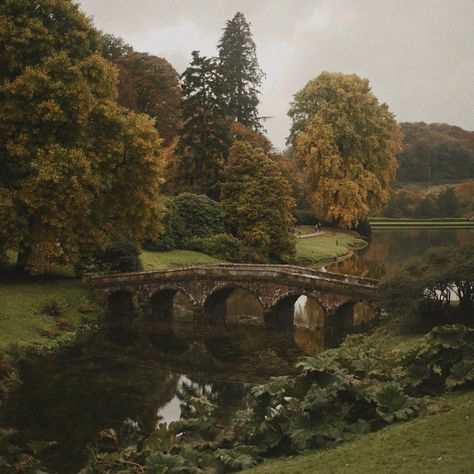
(204, 137)
(240, 72)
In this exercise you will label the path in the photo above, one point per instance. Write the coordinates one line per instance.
(314, 234)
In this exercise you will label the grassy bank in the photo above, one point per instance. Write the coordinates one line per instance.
(34, 312)
(442, 223)
(326, 247)
(175, 258)
(435, 444)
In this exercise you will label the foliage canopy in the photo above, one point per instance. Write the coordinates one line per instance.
(77, 170)
(435, 151)
(428, 284)
(150, 85)
(347, 142)
(256, 200)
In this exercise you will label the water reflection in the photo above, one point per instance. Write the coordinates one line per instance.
(390, 248)
(141, 373)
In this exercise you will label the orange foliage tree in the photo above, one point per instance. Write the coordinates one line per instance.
(347, 142)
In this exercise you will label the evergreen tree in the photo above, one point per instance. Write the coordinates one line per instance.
(240, 71)
(204, 137)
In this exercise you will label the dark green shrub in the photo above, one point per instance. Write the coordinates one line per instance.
(363, 228)
(174, 230)
(426, 285)
(201, 215)
(119, 257)
(188, 216)
(224, 246)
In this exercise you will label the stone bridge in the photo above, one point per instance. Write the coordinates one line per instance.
(276, 287)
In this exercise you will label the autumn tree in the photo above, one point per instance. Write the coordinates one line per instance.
(77, 170)
(241, 73)
(294, 176)
(113, 47)
(347, 142)
(150, 85)
(256, 202)
(435, 151)
(241, 133)
(465, 196)
(204, 137)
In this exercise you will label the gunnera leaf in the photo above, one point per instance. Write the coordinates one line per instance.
(393, 404)
(159, 463)
(461, 373)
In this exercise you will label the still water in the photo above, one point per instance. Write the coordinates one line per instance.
(131, 374)
(388, 249)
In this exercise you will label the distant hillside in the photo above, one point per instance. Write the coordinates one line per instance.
(436, 151)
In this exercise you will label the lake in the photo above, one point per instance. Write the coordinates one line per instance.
(131, 376)
(390, 248)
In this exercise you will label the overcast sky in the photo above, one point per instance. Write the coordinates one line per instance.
(417, 54)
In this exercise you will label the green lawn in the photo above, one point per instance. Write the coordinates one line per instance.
(175, 258)
(326, 247)
(434, 444)
(391, 223)
(22, 321)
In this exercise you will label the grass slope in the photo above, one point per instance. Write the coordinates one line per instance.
(325, 247)
(434, 444)
(175, 258)
(22, 323)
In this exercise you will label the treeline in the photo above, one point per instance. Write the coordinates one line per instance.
(94, 132)
(411, 202)
(434, 152)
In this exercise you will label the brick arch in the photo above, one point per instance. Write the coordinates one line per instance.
(160, 304)
(230, 287)
(215, 302)
(176, 288)
(282, 312)
(296, 293)
(120, 303)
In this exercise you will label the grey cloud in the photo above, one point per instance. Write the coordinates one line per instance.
(417, 54)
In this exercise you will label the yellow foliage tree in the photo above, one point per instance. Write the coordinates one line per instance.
(347, 142)
(76, 170)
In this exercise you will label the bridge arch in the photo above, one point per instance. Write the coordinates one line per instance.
(216, 305)
(168, 302)
(297, 308)
(121, 304)
(353, 313)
